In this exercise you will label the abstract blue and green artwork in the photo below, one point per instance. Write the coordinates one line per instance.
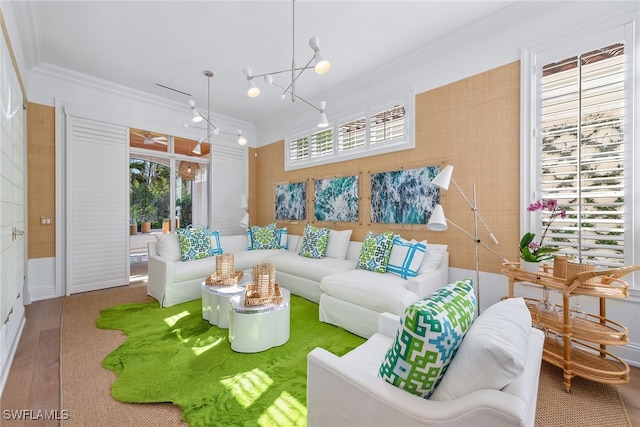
(336, 199)
(291, 201)
(404, 196)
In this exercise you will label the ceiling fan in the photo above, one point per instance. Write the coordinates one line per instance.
(150, 139)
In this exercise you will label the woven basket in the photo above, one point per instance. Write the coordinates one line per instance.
(253, 297)
(560, 266)
(574, 268)
(263, 290)
(225, 267)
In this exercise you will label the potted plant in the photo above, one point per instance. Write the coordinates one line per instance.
(532, 252)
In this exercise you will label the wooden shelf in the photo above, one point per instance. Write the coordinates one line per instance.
(586, 362)
(593, 328)
(569, 337)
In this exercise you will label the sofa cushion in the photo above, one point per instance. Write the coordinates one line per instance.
(314, 241)
(432, 257)
(216, 247)
(375, 251)
(493, 352)
(282, 236)
(263, 236)
(248, 258)
(406, 257)
(338, 243)
(195, 243)
(379, 292)
(168, 247)
(199, 268)
(430, 333)
(308, 268)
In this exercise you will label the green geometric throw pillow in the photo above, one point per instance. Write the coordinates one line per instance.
(431, 332)
(375, 252)
(264, 237)
(195, 243)
(314, 242)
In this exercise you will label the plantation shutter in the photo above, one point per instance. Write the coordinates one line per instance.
(97, 174)
(352, 134)
(388, 124)
(228, 171)
(299, 149)
(583, 153)
(321, 143)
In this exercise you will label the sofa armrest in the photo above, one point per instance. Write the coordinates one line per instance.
(341, 393)
(160, 275)
(427, 283)
(388, 324)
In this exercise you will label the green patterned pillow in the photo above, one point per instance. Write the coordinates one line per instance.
(264, 237)
(430, 333)
(195, 243)
(375, 252)
(314, 242)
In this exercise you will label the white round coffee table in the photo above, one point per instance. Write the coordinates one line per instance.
(215, 300)
(257, 328)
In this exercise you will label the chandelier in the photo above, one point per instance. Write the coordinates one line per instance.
(320, 65)
(211, 129)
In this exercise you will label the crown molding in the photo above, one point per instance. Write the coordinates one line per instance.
(74, 77)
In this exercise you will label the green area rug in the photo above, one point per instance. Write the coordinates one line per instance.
(173, 355)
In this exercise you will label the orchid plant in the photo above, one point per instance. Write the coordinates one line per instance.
(535, 251)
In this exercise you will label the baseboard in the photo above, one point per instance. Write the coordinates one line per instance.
(7, 353)
(42, 279)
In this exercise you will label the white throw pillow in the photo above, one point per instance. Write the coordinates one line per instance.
(406, 257)
(432, 257)
(168, 246)
(493, 352)
(338, 244)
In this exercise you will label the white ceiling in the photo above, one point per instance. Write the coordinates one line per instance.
(140, 44)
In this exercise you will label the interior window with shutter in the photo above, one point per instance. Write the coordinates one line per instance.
(388, 124)
(322, 143)
(352, 134)
(299, 149)
(583, 154)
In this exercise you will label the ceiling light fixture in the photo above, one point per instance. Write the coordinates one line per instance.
(211, 129)
(320, 65)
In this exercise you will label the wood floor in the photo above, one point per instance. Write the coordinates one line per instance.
(34, 379)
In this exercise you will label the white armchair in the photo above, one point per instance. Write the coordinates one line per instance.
(346, 391)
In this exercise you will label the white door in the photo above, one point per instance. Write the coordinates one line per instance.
(97, 221)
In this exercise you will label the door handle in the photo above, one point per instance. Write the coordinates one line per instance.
(15, 233)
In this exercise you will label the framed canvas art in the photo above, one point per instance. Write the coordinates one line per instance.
(336, 199)
(291, 201)
(405, 196)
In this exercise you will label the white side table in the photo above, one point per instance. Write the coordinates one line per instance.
(215, 300)
(215, 303)
(257, 328)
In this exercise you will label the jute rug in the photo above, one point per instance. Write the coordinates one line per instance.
(86, 384)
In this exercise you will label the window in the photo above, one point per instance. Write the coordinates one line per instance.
(322, 143)
(352, 134)
(582, 153)
(387, 125)
(580, 114)
(382, 128)
(299, 149)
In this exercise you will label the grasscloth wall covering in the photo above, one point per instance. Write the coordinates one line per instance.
(41, 176)
(472, 124)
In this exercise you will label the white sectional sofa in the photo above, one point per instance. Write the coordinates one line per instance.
(348, 297)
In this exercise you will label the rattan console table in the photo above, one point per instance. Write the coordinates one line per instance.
(578, 345)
